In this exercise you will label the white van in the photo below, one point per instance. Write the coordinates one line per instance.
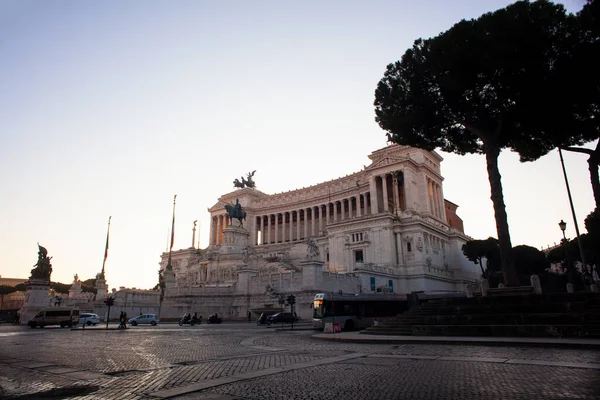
(55, 316)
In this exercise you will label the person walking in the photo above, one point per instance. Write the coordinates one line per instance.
(122, 320)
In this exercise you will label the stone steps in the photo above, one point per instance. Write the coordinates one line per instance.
(561, 315)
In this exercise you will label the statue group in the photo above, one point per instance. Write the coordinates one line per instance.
(236, 211)
(43, 268)
(248, 182)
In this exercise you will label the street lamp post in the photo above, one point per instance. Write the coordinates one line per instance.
(563, 226)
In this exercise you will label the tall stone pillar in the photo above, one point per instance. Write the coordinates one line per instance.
(305, 222)
(335, 212)
(291, 226)
(386, 207)
(312, 221)
(268, 235)
(430, 207)
(358, 213)
(283, 227)
(276, 222)
(298, 235)
(373, 191)
(262, 229)
(219, 227)
(396, 194)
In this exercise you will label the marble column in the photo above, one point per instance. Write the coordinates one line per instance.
(335, 212)
(373, 192)
(386, 206)
(396, 194)
(312, 221)
(305, 223)
(219, 222)
(283, 227)
(262, 229)
(358, 212)
(276, 222)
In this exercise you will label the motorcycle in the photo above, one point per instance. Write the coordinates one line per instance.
(262, 320)
(189, 321)
(213, 319)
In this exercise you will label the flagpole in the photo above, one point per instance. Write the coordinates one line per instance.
(106, 248)
(169, 266)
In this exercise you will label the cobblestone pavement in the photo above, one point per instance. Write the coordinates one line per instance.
(243, 361)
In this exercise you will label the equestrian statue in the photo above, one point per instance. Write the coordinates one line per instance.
(236, 211)
(249, 182)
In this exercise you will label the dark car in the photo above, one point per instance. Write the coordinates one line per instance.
(282, 317)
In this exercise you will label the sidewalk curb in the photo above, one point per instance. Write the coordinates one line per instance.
(355, 337)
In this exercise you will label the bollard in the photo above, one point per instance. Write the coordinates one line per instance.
(570, 288)
(535, 283)
(485, 285)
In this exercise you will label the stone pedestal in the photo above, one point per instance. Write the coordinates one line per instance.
(312, 274)
(101, 287)
(235, 239)
(36, 298)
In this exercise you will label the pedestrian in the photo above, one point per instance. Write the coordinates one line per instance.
(122, 320)
(249, 316)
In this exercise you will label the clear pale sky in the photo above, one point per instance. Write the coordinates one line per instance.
(110, 108)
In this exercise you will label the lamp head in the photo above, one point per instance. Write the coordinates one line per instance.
(563, 225)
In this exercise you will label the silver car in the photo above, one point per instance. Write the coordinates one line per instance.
(151, 319)
(89, 319)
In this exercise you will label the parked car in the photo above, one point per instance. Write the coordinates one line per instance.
(89, 319)
(282, 317)
(151, 319)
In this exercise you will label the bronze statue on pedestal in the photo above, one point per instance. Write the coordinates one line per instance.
(43, 268)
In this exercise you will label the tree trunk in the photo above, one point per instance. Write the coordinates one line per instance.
(481, 266)
(506, 259)
(593, 163)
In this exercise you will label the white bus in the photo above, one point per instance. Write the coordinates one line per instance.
(355, 311)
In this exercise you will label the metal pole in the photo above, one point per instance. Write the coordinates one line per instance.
(568, 261)
(573, 211)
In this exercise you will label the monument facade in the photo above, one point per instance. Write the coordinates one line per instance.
(386, 228)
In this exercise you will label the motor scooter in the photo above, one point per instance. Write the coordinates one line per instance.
(213, 319)
(262, 320)
(187, 320)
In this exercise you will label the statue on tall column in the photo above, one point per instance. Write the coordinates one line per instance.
(43, 268)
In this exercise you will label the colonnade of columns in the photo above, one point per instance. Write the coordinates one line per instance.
(386, 194)
(435, 199)
(288, 226)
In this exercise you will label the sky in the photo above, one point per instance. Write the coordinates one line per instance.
(111, 108)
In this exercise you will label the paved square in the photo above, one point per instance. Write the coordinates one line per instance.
(244, 361)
